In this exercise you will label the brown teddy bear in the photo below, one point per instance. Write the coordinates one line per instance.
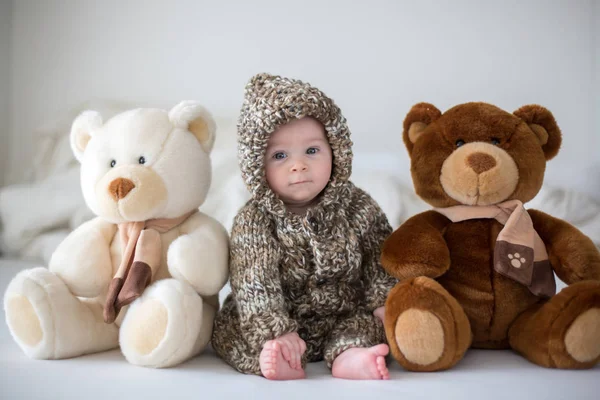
(477, 270)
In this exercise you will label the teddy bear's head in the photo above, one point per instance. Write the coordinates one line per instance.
(144, 163)
(478, 154)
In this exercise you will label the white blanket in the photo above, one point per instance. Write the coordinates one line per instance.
(38, 214)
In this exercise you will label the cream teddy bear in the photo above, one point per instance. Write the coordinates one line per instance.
(144, 173)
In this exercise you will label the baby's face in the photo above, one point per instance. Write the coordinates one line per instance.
(298, 161)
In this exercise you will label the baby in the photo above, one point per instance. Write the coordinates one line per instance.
(306, 282)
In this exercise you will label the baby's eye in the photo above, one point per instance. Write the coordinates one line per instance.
(280, 155)
(312, 150)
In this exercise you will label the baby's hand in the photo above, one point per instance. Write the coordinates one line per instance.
(292, 348)
(380, 313)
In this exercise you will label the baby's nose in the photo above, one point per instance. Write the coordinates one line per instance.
(299, 166)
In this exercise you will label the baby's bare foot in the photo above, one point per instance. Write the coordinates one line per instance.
(273, 365)
(362, 363)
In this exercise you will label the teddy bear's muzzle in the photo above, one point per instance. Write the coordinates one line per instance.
(479, 173)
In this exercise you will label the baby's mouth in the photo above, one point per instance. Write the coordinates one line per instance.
(300, 182)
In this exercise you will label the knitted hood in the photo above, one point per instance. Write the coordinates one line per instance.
(271, 101)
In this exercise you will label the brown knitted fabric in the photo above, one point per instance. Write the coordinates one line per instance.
(317, 274)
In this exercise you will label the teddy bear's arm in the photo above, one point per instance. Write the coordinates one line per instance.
(572, 254)
(200, 256)
(83, 259)
(417, 247)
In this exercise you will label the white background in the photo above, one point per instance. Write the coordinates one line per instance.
(375, 58)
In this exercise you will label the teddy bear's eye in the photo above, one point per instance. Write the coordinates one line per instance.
(495, 141)
(142, 160)
(459, 142)
(113, 163)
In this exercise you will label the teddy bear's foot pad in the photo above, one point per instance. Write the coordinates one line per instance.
(582, 340)
(426, 328)
(23, 320)
(563, 332)
(162, 326)
(48, 322)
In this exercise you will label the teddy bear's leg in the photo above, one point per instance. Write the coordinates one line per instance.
(426, 328)
(563, 332)
(48, 322)
(167, 325)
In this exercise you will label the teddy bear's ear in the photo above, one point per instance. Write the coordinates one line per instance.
(542, 123)
(82, 131)
(417, 119)
(191, 116)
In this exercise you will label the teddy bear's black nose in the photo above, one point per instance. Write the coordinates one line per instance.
(120, 187)
(480, 162)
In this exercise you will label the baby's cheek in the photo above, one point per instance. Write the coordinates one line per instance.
(270, 173)
(275, 180)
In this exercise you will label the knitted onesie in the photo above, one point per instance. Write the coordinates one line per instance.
(316, 274)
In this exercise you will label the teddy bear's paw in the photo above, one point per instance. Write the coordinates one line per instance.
(48, 322)
(201, 260)
(148, 326)
(578, 324)
(23, 321)
(582, 340)
(426, 328)
(161, 327)
(420, 336)
(564, 332)
(29, 315)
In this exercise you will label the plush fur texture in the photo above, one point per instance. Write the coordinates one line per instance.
(142, 164)
(477, 154)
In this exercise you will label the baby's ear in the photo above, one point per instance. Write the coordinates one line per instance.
(191, 116)
(542, 123)
(82, 131)
(417, 119)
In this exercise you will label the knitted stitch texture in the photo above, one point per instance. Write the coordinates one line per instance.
(317, 274)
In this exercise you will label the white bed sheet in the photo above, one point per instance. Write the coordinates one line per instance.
(482, 374)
